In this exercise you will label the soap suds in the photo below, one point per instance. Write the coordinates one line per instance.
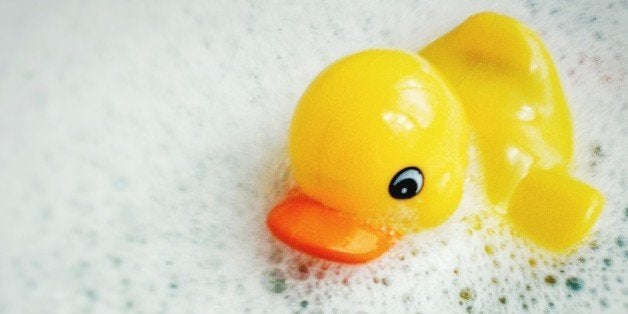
(142, 145)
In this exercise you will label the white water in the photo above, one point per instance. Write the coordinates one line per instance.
(142, 144)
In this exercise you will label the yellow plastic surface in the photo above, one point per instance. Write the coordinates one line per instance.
(368, 116)
(553, 209)
(374, 113)
(513, 99)
(512, 96)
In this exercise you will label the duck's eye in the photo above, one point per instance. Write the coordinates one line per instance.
(406, 183)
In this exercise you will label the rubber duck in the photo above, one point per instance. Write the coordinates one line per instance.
(379, 144)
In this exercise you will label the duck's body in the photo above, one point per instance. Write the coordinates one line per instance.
(379, 143)
(510, 90)
(511, 93)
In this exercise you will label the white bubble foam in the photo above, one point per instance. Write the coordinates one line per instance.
(143, 143)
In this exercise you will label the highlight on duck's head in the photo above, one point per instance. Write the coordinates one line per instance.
(380, 138)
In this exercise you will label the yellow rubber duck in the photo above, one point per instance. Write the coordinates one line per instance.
(379, 143)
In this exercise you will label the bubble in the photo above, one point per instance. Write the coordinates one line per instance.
(467, 294)
(304, 304)
(550, 280)
(488, 249)
(276, 281)
(574, 283)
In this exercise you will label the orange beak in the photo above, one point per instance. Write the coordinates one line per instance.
(315, 229)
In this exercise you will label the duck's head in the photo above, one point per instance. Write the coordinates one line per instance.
(378, 147)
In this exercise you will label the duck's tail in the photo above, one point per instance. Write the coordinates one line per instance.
(554, 209)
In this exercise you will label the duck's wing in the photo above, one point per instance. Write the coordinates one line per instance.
(509, 87)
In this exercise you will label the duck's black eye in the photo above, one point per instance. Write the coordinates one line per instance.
(406, 183)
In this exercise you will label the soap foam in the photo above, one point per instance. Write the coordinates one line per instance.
(144, 143)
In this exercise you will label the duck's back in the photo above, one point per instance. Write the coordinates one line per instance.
(511, 93)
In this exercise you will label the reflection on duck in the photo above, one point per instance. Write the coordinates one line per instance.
(379, 142)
